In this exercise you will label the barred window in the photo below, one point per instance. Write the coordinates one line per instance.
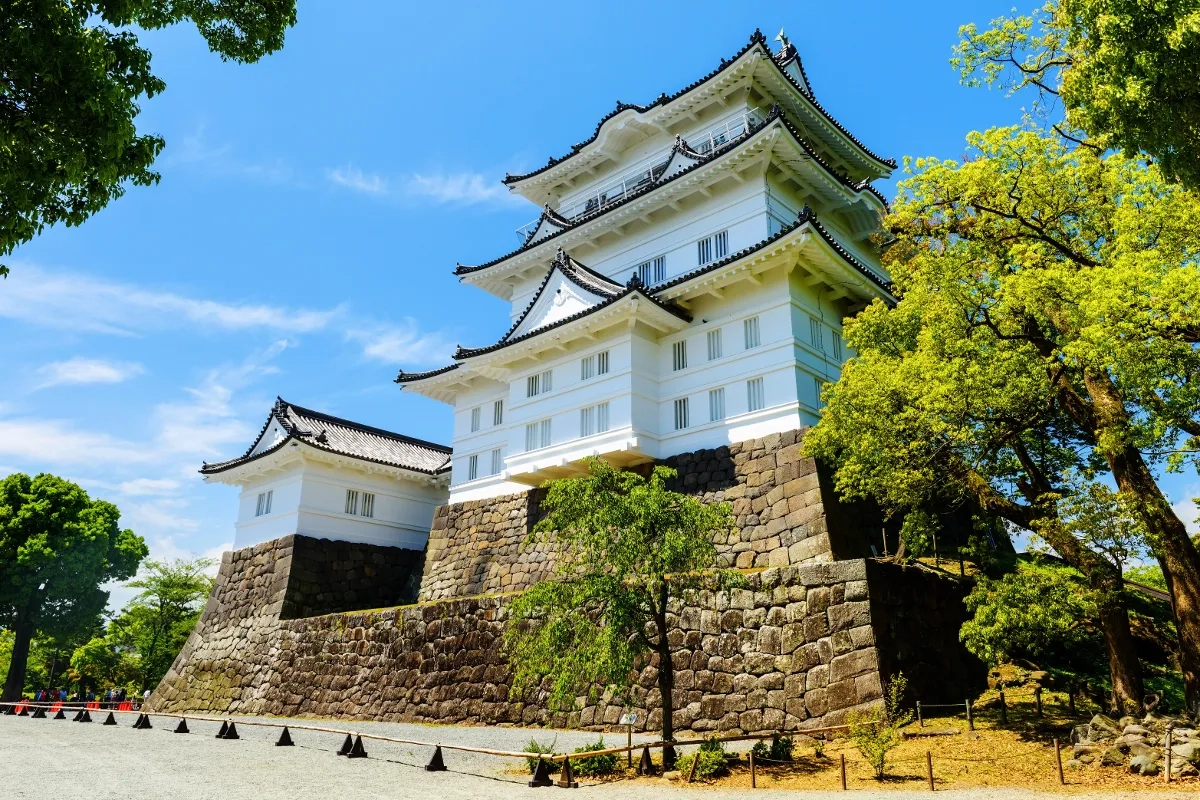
(593, 365)
(837, 345)
(681, 413)
(714, 344)
(679, 355)
(538, 384)
(652, 271)
(497, 459)
(351, 501)
(602, 417)
(368, 504)
(476, 413)
(818, 385)
(755, 399)
(537, 435)
(587, 421)
(498, 412)
(472, 467)
(750, 332)
(817, 331)
(712, 248)
(716, 404)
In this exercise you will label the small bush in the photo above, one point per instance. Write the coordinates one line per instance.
(779, 749)
(711, 763)
(534, 746)
(594, 765)
(877, 732)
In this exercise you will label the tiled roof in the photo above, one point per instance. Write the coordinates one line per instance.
(757, 39)
(409, 377)
(343, 437)
(733, 144)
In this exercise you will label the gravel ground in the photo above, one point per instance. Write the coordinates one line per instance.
(46, 759)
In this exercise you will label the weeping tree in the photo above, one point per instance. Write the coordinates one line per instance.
(629, 550)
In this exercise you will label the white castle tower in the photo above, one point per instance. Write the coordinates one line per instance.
(682, 289)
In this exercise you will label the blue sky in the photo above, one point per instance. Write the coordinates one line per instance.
(313, 206)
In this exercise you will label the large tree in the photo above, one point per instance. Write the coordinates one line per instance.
(72, 73)
(57, 546)
(1126, 71)
(1047, 325)
(629, 548)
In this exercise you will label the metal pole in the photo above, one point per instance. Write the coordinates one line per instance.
(629, 741)
(843, 772)
(1058, 758)
(929, 768)
(970, 719)
(937, 561)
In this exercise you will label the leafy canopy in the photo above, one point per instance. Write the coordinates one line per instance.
(72, 73)
(626, 545)
(1127, 71)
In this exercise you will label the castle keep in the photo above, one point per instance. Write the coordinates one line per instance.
(677, 301)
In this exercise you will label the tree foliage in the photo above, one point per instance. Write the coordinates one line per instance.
(627, 547)
(876, 731)
(57, 546)
(1048, 315)
(72, 73)
(1126, 71)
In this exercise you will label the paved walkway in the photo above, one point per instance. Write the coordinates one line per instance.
(47, 759)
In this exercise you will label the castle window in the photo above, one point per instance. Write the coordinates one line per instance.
(472, 467)
(602, 417)
(652, 271)
(837, 346)
(818, 384)
(476, 413)
(681, 413)
(538, 384)
(368, 504)
(351, 501)
(755, 397)
(750, 332)
(264, 503)
(679, 355)
(498, 412)
(496, 461)
(817, 331)
(712, 248)
(714, 344)
(537, 435)
(587, 421)
(593, 365)
(716, 404)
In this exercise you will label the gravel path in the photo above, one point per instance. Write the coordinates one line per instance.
(46, 759)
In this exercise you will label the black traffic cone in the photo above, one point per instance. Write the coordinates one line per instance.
(357, 751)
(61, 714)
(232, 732)
(38, 713)
(541, 774)
(285, 739)
(224, 729)
(646, 765)
(347, 746)
(78, 716)
(436, 764)
(110, 720)
(181, 727)
(86, 717)
(566, 778)
(10, 711)
(143, 722)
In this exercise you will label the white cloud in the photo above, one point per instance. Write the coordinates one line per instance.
(195, 151)
(1188, 511)
(75, 302)
(459, 188)
(52, 441)
(354, 178)
(80, 370)
(402, 343)
(148, 486)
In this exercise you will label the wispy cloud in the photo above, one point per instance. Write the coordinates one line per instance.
(354, 178)
(80, 370)
(403, 343)
(220, 160)
(60, 442)
(440, 188)
(79, 303)
(1188, 510)
(148, 486)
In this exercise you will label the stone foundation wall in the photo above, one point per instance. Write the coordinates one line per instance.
(798, 647)
(782, 505)
(326, 576)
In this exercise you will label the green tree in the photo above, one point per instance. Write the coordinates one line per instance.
(157, 622)
(1126, 71)
(71, 75)
(1048, 316)
(876, 731)
(628, 548)
(57, 546)
(96, 662)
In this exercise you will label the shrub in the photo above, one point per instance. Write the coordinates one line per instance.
(711, 763)
(877, 732)
(779, 749)
(534, 746)
(594, 765)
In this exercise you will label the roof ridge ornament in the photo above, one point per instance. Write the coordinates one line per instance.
(784, 42)
(758, 36)
(806, 215)
(635, 281)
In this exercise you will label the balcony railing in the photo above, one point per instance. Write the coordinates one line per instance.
(622, 187)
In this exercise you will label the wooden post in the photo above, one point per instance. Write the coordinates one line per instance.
(937, 561)
(753, 777)
(1058, 758)
(920, 719)
(1071, 699)
(695, 761)
(1003, 708)
(1037, 698)
(883, 533)
(929, 768)
(970, 719)
(843, 772)
(629, 741)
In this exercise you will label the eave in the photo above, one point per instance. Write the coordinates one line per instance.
(283, 455)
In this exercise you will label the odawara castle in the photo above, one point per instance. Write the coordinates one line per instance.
(678, 299)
